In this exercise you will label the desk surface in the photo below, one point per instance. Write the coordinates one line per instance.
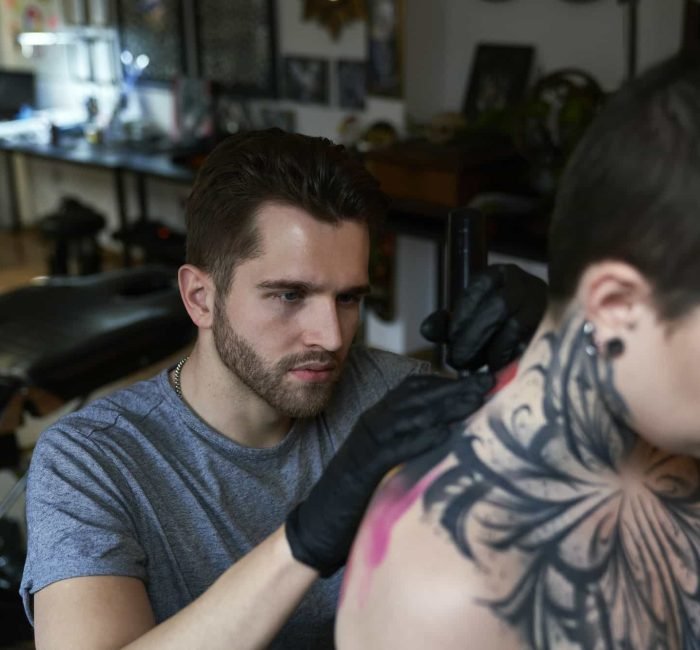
(158, 164)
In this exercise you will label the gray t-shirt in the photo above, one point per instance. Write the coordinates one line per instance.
(135, 484)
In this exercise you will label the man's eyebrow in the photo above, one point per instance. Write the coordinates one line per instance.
(308, 287)
(286, 285)
(359, 290)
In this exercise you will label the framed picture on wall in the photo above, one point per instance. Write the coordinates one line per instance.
(385, 47)
(17, 16)
(306, 80)
(155, 29)
(284, 119)
(351, 77)
(499, 77)
(236, 45)
(691, 26)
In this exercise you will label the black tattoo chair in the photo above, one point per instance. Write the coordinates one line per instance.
(65, 337)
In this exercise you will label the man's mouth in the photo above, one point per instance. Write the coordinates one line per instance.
(314, 372)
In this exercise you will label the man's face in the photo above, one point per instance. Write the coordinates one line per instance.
(287, 323)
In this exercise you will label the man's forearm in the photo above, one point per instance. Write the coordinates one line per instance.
(244, 608)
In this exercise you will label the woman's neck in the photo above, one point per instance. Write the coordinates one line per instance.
(581, 529)
(564, 394)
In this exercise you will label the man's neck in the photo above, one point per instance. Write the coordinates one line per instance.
(227, 405)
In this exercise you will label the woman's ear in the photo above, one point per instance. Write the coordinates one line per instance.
(614, 296)
(198, 293)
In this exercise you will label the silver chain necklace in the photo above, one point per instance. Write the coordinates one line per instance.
(176, 377)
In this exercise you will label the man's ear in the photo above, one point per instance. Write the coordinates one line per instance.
(198, 294)
(614, 296)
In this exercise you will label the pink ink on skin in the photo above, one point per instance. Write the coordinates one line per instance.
(389, 508)
(394, 500)
(384, 513)
(504, 377)
(391, 504)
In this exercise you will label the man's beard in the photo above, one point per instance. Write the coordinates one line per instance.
(270, 381)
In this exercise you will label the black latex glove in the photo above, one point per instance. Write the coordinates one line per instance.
(493, 320)
(409, 420)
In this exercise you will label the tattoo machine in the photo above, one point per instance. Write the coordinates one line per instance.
(467, 253)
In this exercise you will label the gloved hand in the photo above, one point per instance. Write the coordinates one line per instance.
(412, 418)
(493, 321)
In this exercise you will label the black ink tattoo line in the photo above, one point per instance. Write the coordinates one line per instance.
(612, 563)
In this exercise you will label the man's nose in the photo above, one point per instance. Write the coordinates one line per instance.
(322, 326)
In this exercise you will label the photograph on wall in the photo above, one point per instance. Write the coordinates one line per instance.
(236, 45)
(231, 112)
(351, 77)
(499, 78)
(19, 16)
(384, 47)
(306, 80)
(194, 108)
(691, 26)
(284, 119)
(153, 29)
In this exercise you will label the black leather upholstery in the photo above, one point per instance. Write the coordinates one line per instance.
(71, 335)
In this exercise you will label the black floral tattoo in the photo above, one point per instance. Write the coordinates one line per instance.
(606, 527)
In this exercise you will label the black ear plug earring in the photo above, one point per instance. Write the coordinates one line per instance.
(614, 348)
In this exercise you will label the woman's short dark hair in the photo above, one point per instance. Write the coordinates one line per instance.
(250, 169)
(631, 191)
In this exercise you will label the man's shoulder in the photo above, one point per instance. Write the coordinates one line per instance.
(373, 373)
(130, 404)
(368, 375)
(382, 366)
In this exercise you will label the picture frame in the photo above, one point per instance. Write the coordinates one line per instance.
(20, 16)
(306, 80)
(281, 118)
(499, 77)
(351, 80)
(232, 113)
(156, 30)
(691, 27)
(194, 109)
(87, 12)
(237, 46)
(385, 47)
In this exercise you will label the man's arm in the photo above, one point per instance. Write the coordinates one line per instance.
(251, 601)
(245, 607)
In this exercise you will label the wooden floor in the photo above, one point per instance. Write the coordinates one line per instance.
(22, 256)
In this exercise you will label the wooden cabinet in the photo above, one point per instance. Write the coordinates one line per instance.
(445, 175)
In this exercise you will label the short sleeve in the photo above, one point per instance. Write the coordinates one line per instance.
(78, 521)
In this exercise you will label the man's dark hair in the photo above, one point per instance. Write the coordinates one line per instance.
(250, 169)
(631, 191)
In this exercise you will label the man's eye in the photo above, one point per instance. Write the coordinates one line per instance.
(290, 296)
(349, 298)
